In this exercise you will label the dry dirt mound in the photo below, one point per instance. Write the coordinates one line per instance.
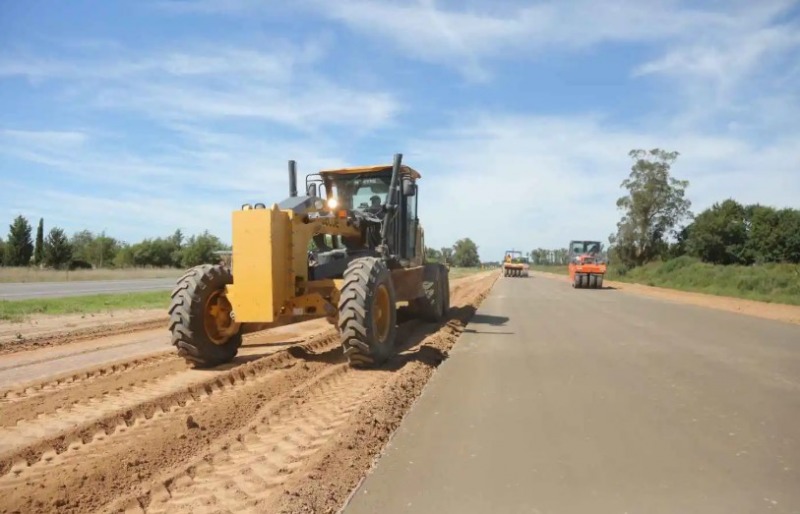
(292, 430)
(44, 330)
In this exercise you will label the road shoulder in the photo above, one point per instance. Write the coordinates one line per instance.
(771, 311)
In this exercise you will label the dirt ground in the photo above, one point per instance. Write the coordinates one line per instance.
(773, 311)
(287, 427)
(46, 330)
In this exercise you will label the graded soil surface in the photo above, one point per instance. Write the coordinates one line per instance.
(121, 424)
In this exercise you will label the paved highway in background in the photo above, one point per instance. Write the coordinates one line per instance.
(597, 401)
(27, 290)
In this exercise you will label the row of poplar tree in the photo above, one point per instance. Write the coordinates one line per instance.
(85, 249)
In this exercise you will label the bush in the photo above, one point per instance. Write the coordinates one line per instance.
(79, 264)
(773, 282)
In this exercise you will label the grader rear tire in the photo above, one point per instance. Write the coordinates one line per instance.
(199, 320)
(367, 313)
(436, 302)
(445, 278)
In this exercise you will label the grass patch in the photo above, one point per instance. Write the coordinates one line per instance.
(18, 310)
(31, 274)
(775, 283)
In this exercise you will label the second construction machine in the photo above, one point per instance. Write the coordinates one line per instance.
(349, 250)
(587, 264)
(515, 264)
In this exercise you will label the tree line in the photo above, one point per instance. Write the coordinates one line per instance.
(657, 224)
(463, 254)
(86, 249)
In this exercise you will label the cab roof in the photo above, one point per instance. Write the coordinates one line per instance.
(404, 170)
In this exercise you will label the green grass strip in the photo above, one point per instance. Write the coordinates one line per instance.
(773, 283)
(18, 310)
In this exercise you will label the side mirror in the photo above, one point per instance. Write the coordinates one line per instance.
(312, 190)
(409, 188)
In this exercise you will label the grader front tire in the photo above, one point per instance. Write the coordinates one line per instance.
(199, 317)
(367, 313)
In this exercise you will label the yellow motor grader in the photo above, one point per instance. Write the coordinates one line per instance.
(350, 249)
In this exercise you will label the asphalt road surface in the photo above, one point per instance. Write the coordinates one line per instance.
(596, 401)
(27, 290)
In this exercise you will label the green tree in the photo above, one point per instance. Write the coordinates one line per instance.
(81, 243)
(654, 206)
(101, 250)
(447, 255)
(2, 252)
(177, 240)
(763, 235)
(38, 251)
(465, 254)
(200, 250)
(433, 255)
(719, 234)
(57, 249)
(124, 258)
(789, 235)
(773, 235)
(19, 246)
(98, 250)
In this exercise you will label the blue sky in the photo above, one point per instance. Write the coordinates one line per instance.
(139, 117)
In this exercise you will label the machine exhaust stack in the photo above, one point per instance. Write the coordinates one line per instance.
(292, 178)
(391, 201)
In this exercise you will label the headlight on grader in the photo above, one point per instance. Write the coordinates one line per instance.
(332, 203)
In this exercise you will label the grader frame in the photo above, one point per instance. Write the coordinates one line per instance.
(364, 260)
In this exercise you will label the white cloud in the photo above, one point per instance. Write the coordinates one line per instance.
(42, 138)
(278, 85)
(204, 166)
(466, 38)
(528, 181)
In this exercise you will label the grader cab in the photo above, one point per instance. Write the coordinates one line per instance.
(349, 250)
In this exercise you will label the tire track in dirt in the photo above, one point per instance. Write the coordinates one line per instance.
(249, 473)
(51, 434)
(325, 481)
(57, 338)
(60, 394)
(244, 473)
(87, 468)
(90, 453)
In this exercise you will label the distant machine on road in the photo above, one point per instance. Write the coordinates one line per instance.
(587, 264)
(515, 264)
